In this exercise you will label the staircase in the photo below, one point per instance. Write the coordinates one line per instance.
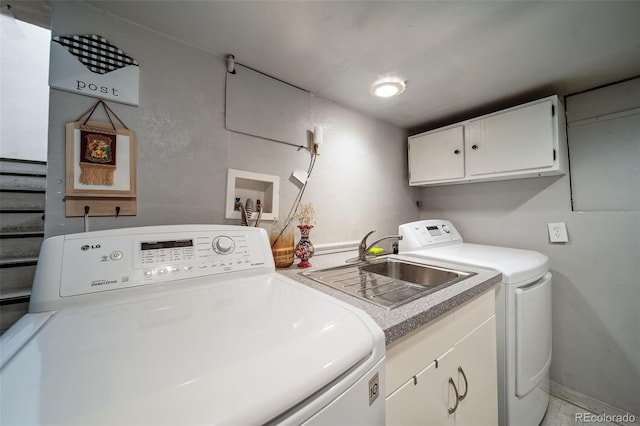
(22, 199)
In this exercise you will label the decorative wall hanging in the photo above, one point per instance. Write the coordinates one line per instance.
(90, 65)
(97, 155)
(100, 166)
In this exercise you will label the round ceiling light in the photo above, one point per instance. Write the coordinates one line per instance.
(388, 88)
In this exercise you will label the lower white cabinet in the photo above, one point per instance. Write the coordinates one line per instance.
(458, 386)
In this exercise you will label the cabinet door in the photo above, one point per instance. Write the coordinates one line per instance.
(423, 401)
(437, 156)
(477, 378)
(519, 139)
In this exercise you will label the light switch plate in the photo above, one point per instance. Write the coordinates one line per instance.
(558, 232)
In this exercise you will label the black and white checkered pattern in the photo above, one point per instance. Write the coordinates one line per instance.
(95, 52)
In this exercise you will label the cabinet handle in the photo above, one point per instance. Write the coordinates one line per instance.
(466, 384)
(457, 151)
(455, 407)
(474, 147)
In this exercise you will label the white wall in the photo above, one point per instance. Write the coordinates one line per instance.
(596, 276)
(24, 90)
(184, 151)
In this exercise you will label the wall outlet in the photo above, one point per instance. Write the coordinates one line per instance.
(558, 232)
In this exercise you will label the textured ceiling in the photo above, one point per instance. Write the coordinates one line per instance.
(459, 58)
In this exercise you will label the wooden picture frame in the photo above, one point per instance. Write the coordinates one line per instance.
(118, 199)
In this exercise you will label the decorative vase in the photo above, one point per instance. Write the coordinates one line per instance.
(304, 249)
(281, 239)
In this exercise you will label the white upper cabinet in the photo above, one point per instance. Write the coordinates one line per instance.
(524, 141)
(437, 155)
(519, 139)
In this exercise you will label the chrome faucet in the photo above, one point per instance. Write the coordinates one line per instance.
(244, 221)
(363, 249)
(246, 211)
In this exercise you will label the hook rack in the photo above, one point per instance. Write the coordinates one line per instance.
(106, 206)
(116, 200)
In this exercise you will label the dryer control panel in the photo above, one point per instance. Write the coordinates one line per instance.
(103, 261)
(428, 232)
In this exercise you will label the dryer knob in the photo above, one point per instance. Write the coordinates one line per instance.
(223, 245)
(446, 229)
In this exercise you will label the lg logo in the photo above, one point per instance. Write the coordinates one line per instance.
(89, 247)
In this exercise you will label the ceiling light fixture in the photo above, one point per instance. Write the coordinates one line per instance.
(388, 88)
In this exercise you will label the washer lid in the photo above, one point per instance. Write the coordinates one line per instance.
(238, 353)
(516, 265)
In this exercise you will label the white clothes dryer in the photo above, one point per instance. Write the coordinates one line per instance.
(185, 325)
(523, 313)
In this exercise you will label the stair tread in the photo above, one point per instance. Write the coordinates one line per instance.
(18, 261)
(25, 173)
(22, 211)
(23, 167)
(20, 292)
(13, 233)
(21, 190)
(22, 234)
(15, 200)
(22, 183)
(21, 160)
(20, 223)
(14, 297)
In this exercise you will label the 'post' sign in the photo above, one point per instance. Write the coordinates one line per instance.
(90, 65)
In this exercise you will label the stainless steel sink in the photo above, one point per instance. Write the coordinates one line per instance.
(388, 282)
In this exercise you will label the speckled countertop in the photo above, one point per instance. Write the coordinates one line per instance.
(401, 320)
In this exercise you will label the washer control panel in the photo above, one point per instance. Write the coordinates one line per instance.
(428, 232)
(108, 262)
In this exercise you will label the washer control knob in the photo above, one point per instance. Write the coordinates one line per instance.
(223, 245)
(116, 255)
(446, 229)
